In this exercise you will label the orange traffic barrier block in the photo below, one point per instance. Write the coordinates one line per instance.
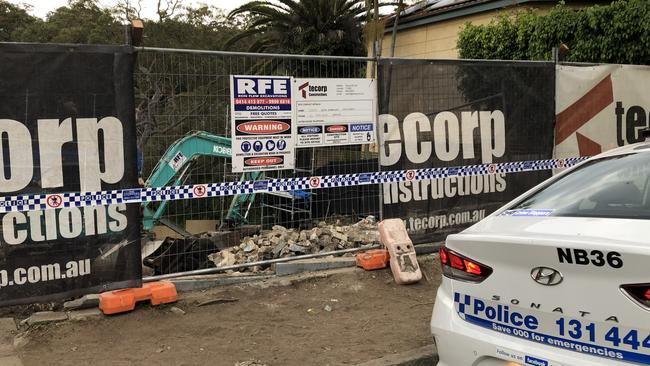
(120, 301)
(373, 259)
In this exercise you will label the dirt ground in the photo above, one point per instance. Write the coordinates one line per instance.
(277, 324)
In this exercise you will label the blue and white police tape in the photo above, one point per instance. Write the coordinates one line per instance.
(34, 202)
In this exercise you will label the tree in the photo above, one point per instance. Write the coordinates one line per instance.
(316, 27)
(82, 21)
(12, 18)
(616, 33)
(201, 27)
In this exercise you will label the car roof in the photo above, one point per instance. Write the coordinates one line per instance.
(639, 147)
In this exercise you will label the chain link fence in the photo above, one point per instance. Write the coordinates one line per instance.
(185, 94)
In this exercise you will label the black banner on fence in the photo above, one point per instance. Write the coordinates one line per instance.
(67, 125)
(450, 113)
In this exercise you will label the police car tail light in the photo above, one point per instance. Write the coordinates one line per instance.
(640, 293)
(471, 267)
(444, 258)
(455, 261)
(459, 267)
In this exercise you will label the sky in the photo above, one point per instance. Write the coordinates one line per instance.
(40, 8)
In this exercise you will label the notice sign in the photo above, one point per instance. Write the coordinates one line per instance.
(262, 123)
(335, 111)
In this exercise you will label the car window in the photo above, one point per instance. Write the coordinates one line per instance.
(617, 187)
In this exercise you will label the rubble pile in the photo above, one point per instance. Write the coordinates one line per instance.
(281, 242)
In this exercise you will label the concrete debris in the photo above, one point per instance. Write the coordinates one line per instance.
(20, 341)
(314, 264)
(44, 317)
(84, 302)
(163, 348)
(177, 311)
(223, 258)
(277, 250)
(298, 249)
(250, 363)
(340, 236)
(216, 301)
(249, 246)
(280, 242)
(285, 282)
(85, 314)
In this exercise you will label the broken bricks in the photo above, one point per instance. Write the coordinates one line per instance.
(280, 242)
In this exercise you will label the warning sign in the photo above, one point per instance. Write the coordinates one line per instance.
(262, 123)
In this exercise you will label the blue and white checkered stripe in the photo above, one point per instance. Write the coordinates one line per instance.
(166, 193)
(431, 173)
(33, 202)
(389, 176)
(462, 302)
(29, 202)
(287, 184)
(224, 189)
(76, 199)
(340, 180)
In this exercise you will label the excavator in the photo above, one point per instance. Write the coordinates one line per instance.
(173, 167)
(191, 252)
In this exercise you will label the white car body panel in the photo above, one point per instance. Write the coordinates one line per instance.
(588, 296)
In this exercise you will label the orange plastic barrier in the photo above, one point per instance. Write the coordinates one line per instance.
(373, 259)
(120, 301)
(403, 261)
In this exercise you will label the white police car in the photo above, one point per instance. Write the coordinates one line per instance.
(559, 276)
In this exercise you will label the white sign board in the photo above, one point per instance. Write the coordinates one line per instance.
(335, 111)
(262, 125)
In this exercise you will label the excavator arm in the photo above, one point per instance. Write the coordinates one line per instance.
(174, 164)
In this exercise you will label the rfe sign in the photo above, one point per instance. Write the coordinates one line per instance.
(261, 87)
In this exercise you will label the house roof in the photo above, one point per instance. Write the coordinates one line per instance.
(432, 11)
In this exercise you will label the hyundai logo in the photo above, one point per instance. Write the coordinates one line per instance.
(546, 276)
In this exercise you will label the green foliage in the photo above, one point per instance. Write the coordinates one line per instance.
(12, 17)
(82, 21)
(316, 27)
(617, 33)
(85, 21)
(193, 28)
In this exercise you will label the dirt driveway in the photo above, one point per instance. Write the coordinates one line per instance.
(348, 317)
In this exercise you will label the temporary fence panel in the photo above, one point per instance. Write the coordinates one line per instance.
(183, 91)
(600, 107)
(66, 125)
(454, 140)
(461, 113)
